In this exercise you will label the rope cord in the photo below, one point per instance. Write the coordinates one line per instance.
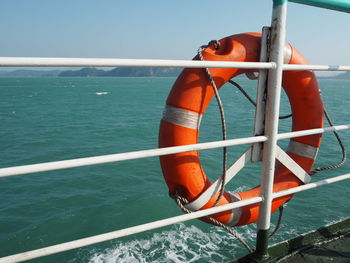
(344, 155)
(243, 91)
(222, 115)
(251, 100)
(279, 220)
(181, 201)
(318, 169)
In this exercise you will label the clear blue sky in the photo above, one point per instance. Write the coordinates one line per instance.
(159, 28)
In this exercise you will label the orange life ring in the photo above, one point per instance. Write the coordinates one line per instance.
(187, 102)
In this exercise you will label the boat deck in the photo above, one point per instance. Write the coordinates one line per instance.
(327, 244)
(336, 250)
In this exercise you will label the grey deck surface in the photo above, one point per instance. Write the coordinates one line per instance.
(330, 243)
(337, 250)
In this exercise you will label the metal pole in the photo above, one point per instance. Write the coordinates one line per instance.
(277, 43)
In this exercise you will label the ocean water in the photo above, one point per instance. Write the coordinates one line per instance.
(50, 119)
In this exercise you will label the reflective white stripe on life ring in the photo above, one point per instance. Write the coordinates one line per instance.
(182, 117)
(302, 149)
(236, 213)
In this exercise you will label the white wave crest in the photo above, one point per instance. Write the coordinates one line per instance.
(102, 93)
(183, 244)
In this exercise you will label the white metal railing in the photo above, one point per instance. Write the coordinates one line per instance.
(11, 171)
(316, 67)
(276, 66)
(125, 232)
(158, 224)
(116, 62)
(50, 166)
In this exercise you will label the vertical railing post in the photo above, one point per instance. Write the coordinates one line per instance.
(277, 43)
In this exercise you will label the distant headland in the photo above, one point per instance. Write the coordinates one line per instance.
(94, 72)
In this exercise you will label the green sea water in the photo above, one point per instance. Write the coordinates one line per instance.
(51, 119)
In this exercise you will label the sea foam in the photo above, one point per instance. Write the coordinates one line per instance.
(179, 245)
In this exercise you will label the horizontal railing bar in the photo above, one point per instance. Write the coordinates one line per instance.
(311, 185)
(316, 67)
(116, 62)
(294, 134)
(79, 162)
(49, 166)
(124, 232)
(338, 5)
(158, 224)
